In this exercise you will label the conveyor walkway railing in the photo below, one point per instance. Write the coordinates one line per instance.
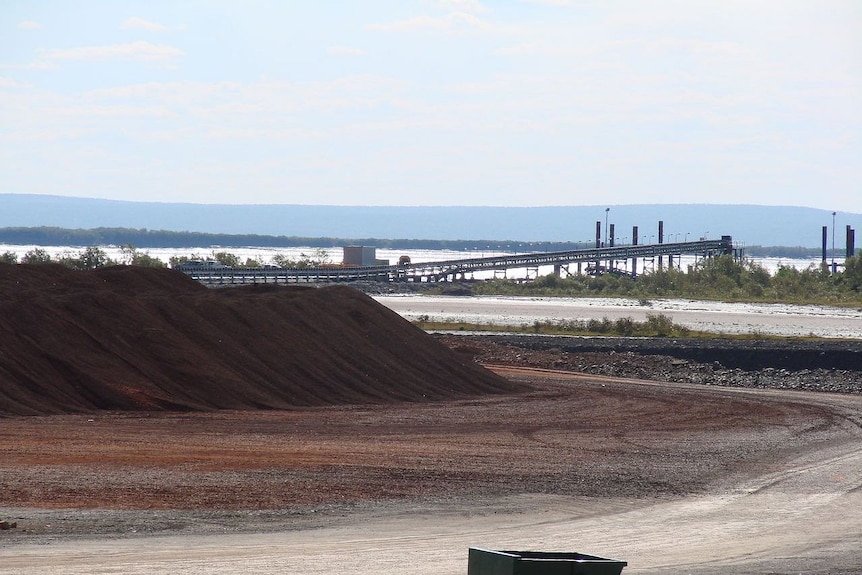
(452, 269)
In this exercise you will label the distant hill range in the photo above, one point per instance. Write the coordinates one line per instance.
(748, 224)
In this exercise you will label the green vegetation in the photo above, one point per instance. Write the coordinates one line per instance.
(87, 259)
(721, 278)
(94, 257)
(36, 256)
(53, 236)
(144, 238)
(133, 257)
(317, 258)
(655, 325)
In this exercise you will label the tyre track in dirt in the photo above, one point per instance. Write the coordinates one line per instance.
(797, 515)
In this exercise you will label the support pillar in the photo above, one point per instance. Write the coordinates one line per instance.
(611, 264)
(823, 251)
(634, 243)
(660, 240)
(598, 243)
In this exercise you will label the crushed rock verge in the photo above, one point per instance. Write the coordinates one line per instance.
(815, 365)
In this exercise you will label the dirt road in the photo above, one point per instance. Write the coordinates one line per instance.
(671, 478)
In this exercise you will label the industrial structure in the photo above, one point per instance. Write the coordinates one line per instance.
(595, 261)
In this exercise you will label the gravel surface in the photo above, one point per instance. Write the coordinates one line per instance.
(702, 479)
(816, 365)
(673, 478)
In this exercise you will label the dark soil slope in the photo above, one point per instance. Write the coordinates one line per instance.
(128, 338)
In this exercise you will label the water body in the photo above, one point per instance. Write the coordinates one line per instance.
(716, 317)
(334, 255)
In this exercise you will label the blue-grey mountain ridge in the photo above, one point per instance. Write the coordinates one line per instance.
(748, 224)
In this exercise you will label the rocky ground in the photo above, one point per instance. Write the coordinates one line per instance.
(566, 465)
(569, 435)
(582, 432)
(815, 365)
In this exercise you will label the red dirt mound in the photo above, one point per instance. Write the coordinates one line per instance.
(129, 338)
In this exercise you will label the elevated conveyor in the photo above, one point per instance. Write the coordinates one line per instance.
(459, 268)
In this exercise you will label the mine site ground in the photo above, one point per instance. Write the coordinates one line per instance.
(673, 478)
(658, 455)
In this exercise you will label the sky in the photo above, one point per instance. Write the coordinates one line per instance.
(434, 102)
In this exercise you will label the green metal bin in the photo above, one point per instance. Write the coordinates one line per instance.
(488, 562)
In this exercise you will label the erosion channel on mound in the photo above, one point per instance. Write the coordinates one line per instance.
(130, 338)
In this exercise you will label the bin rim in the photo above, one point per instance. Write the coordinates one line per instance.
(574, 556)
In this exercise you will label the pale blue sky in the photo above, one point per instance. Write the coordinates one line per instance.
(423, 102)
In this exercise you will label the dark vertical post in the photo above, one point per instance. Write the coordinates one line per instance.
(598, 244)
(833, 242)
(825, 235)
(848, 250)
(611, 264)
(660, 240)
(634, 243)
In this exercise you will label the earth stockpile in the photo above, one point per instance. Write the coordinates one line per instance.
(131, 338)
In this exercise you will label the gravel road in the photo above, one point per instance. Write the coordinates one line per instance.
(784, 471)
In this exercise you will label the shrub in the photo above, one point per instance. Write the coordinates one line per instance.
(624, 326)
(659, 324)
(36, 256)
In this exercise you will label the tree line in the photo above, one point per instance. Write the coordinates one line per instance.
(718, 278)
(144, 238)
(721, 278)
(95, 257)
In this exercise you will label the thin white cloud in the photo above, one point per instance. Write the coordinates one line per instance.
(608, 96)
(465, 6)
(29, 25)
(227, 102)
(549, 2)
(140, 51)
(559, 3)
(452, 22)
(142, 24)
(35, 65)
(345, 51)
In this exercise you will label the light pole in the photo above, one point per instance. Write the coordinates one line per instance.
(833, 242)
